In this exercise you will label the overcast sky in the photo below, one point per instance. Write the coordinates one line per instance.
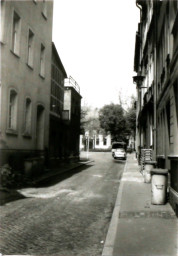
(95, 40)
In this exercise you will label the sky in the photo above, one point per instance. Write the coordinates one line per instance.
(95, 40)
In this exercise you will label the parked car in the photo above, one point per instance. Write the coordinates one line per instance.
(120, 153)
(117, 145)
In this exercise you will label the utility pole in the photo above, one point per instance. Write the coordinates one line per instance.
(87, 144)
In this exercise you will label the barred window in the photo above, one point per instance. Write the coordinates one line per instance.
(28, 116)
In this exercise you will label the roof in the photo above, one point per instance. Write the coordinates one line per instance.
(54, 50)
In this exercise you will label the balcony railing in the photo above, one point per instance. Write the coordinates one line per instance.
(72, 83)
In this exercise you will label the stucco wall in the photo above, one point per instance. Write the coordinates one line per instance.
(18, 75)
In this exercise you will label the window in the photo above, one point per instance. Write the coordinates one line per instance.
(2, 13)
(105, 141)
(42, 61)
(30, 48)
(16, 33)
(97, 141)
(12, 118)
(28, 116)
(44, 12)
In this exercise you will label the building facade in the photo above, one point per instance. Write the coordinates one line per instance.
(71, 118)
(93, 137)
(156, 64)
(65, 108)
(26, 37)
(57, 126)
(96, 142)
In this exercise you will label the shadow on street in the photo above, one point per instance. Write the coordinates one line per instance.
(7, 196)
(119, 161)
(60, 177)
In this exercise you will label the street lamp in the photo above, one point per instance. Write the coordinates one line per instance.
(138, 80)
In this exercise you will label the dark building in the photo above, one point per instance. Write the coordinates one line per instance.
(57, 126)
(71, 115)
(65, 107)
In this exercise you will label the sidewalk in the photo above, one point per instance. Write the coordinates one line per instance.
(137, 227)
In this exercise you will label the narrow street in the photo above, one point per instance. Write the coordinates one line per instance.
(68, 215)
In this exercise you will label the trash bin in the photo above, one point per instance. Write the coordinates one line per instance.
(159, 186)
(149, 165)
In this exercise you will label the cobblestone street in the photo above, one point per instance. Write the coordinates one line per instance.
(68, 216)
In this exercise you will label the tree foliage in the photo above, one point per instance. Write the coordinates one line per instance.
(112, 119)
(83, 115)
(120, 123)
(131, 118)
(90, 121)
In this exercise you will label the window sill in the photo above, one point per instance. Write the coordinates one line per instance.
(11, 132)
(42, 76)
(28, 65)
(2, 42)
(27, 135)
(15, 54)
(173, 157)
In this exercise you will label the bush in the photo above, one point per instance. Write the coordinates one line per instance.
(8, 178)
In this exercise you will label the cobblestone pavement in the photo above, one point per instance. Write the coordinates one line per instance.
(68, 216)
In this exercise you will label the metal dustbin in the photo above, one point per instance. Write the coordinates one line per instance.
(149, 165)
(159, 186)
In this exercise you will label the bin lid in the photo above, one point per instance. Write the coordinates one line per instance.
(159, 171)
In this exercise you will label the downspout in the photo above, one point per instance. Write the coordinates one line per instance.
(139, 92)
(140, 127)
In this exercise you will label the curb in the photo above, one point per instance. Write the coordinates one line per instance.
(111, 235)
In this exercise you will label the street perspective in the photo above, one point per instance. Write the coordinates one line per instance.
(89, 128)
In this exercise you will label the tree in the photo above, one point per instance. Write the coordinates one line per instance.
(84, 111)
(112, 119)
(131, 118)
(90, 121)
